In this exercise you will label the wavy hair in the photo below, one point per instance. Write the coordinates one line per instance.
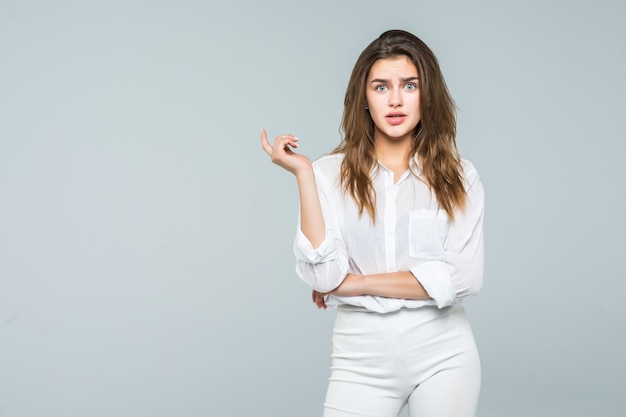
(434, 136)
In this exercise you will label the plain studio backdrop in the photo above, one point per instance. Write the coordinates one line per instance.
(146, 263)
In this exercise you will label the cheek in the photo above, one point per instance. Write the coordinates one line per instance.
(371, 100)
(416, 105)
(376, 108)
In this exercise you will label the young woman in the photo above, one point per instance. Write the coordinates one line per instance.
(391, 233)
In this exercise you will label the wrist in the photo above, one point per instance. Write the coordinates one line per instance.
(305, 174)
(358, 284)
(363, 285)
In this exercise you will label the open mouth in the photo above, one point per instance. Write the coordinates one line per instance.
(395, 118)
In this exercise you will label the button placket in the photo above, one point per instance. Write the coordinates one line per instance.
(390, 223)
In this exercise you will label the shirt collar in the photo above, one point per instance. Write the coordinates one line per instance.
(414, 167)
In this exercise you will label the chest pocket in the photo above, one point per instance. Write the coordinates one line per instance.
(427, 233)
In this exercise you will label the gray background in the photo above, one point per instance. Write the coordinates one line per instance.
(145, 239)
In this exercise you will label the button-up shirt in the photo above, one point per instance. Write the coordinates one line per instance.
(411, 233)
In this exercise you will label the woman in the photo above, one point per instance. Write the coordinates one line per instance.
(391, 233)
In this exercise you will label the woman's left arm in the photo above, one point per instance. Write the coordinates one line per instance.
(400, 284)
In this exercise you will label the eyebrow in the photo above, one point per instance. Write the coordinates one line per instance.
(381, 80)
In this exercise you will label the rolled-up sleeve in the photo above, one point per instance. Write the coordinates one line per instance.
(325, 267)
(459, 271)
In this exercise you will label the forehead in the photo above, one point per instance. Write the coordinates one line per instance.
(394, 67)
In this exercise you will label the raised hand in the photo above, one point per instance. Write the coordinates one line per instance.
(283, 155)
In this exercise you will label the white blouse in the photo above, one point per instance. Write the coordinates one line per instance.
(411, 233)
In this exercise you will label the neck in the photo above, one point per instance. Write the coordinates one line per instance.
(394, 155)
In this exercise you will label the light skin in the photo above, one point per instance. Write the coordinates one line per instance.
(392, 95)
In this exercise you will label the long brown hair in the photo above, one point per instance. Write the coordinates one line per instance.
(433, 138)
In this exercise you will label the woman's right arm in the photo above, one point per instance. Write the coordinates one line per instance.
(320, 253)
(311, 217)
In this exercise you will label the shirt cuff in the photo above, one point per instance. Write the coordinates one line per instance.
(435, 278)
(303, 249)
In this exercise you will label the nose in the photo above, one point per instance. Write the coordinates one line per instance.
(395, 99)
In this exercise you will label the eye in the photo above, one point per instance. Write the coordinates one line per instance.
(381, 88)
(411, 86)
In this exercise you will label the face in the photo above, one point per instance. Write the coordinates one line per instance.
(392, 94)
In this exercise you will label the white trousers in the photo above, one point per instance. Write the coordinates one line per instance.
(425, 358)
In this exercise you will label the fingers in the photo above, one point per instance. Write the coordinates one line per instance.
(264, 142)
(318, 299)
(281, 144)
(282, 155)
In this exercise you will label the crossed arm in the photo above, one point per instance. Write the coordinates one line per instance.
(400, 284)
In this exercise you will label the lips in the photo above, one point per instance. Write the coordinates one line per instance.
(395, 118)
